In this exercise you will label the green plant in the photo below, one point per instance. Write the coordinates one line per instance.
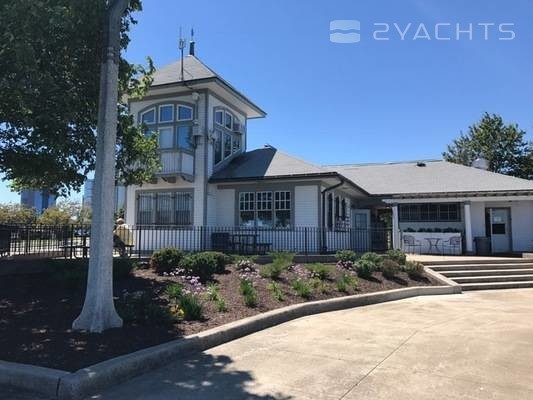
(320, 285)
(390, 269)
(319, 271)
(140, 308)
(345, 282)
(346, 256)
(376, 259)
(275, 289)
(414, 269)
(283, 257)
(302, 288)
(165, 260)
(365, 268)
(203, 265)
(249, 293)
(397, 255)
(221, 260)
(274, 270)
(245, 265)
(192, 307)
(221, 305)
(213, 291)
(174, 291)
(122, 268)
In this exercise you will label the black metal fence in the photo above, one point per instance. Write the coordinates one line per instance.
(73, 241)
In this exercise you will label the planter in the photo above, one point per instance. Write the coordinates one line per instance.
(432, 243)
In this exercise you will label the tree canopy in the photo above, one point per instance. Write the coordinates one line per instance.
(50, 53)
(504, 146)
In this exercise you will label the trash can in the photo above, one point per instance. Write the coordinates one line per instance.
(482, 246)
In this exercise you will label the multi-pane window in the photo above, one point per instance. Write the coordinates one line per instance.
(282, 205)
(444, 212)
(173, 124)
(164, 208)
(226, 140)
(247, 209)
(265, 209)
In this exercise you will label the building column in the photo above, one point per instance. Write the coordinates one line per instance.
(395, 228)
(468, 229)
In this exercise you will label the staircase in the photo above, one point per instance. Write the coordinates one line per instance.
(486, 274)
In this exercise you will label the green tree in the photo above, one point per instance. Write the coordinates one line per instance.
(504, 146)
(17, 214)
(50, 55)
(55, 216)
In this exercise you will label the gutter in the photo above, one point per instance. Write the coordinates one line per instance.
(324, 192)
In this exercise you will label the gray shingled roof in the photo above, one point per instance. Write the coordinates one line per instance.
(436, 177)
(193, 69)
(267, 163)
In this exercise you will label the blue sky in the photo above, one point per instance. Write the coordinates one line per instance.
(370, 101)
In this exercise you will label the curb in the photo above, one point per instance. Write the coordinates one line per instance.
(88, 381)
(441, 278)
(36, 379)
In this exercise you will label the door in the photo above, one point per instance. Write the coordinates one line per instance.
(361, 238)
(500, 229)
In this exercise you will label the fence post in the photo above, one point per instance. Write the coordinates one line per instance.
(306, 242)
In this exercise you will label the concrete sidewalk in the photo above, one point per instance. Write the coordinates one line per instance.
(472, 346)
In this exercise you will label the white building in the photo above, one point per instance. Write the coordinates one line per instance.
(209, 178)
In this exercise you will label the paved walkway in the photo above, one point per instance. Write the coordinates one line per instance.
(470, 346)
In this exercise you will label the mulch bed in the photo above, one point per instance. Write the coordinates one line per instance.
(36, 315)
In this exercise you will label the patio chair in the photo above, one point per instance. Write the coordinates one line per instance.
(410, 243)
(453, 244)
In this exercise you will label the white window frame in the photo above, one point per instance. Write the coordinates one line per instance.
(178, 113)
(223, 116)
(278, 206)
(146, 112)
(171, 120)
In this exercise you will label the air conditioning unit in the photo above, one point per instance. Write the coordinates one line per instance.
(238, 128)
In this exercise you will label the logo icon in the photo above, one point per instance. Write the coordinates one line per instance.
(345, 31)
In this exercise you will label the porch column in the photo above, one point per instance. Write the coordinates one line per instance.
(468, 229)
(395, 228)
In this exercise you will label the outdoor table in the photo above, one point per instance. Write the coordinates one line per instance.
(433, 244)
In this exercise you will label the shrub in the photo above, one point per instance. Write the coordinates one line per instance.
(283, 257)
(374, 258)
(273, 271)
(174, 291)
(275, 289)
(345, 282)
(397, 255)
(319, 271)
(249, 293)
(203, 265)
(221, 260)
(390, 269)
(414, 269)
(192, 307)
(320, 285)
(165, 260)
(365, 268)
(346, 256)
(302, 288)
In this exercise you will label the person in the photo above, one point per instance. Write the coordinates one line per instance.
(122, 237)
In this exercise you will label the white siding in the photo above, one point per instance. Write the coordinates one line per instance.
(225, 207)
(306, 206)
(522, 225)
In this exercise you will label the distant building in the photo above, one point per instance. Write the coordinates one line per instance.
(39, 200)
(120, 195)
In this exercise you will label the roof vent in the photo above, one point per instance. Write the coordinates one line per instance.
(420, 164)
(480, 163)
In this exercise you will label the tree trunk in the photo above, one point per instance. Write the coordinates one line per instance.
(98, 313)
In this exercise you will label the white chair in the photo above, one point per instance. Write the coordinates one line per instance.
(409, 242)
(453, 244)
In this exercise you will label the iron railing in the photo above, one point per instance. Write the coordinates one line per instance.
(73, 241)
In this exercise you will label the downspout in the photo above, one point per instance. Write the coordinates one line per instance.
(324, 227)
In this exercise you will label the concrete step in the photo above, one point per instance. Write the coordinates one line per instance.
(472, 267)
(493, 278)
(487, 272)
(497, 285)
(478, 261)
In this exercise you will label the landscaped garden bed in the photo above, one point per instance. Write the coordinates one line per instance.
(174, 296)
